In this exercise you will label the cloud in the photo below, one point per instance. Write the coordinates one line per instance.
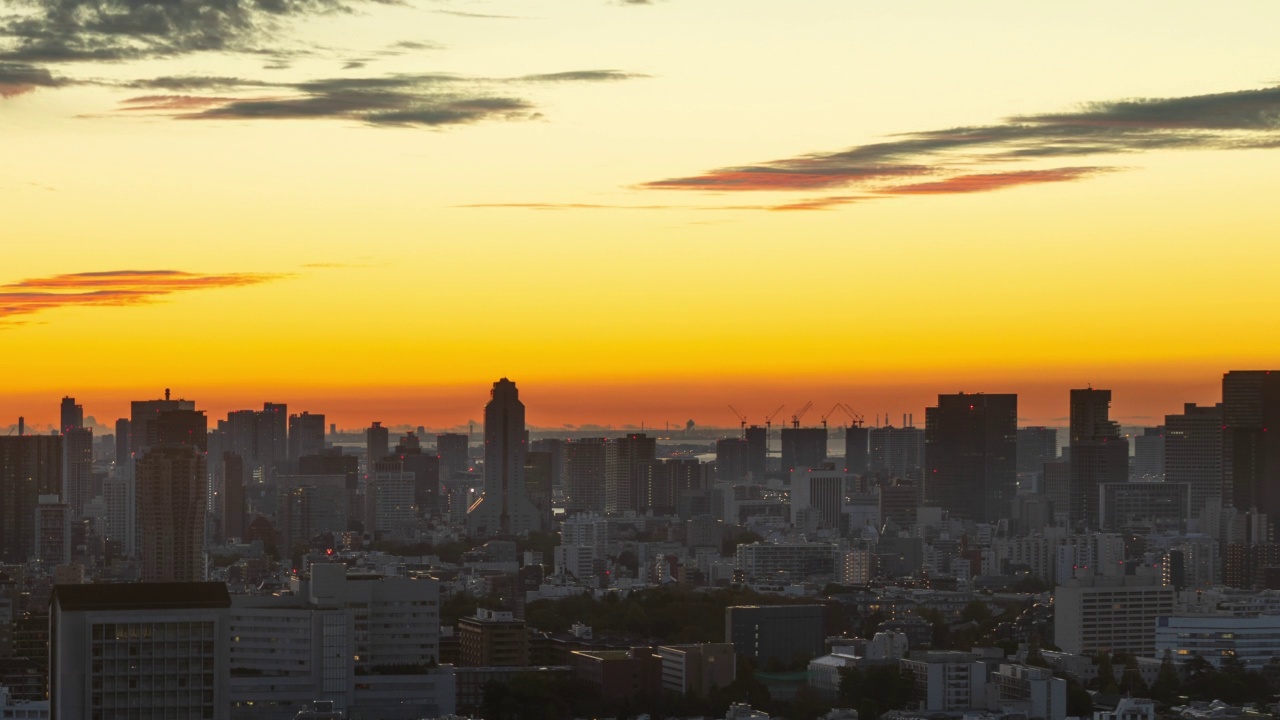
(1246, 119)
(114, 288)
(424, 100)
(19, 78)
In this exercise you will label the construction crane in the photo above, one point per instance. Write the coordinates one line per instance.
(828, 414)
(768, 421)
(741, 418)
(795, 419)
(854, 417)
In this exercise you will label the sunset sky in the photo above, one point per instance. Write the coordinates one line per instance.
(638, 211)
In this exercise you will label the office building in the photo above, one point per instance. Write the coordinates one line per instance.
(757, 449)
(118, 649)
(388, 500)
(377, 444)
(1031, 691)
(1193, 452)
(803, 447)
(696, 669)
(1111, 614)
(946, 681)
(30, 466)
(454, 452)
(306, 435)
(310, 506)
(234, 507)
(584, 475)
(172, 499)
(782, 633)
(1098, 455)
(1251, 446)
(971, 454)
(619, 673)
(1164, 506)
(493, 638)
(622, 483)
(366, 643)
(822, 492)
(538, 481)
(1252, 640)
(1148, 454)
(1036, 446)
(732, 459)
(72, 416)
(332, 461)
(896, 452)
(505, 508)
(53, 531)
(77, 468)
(788, 561)
(167, 421)
(857, 449)
(122, 441)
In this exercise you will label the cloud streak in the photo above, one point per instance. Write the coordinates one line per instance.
(114, 288)
(1246, 119)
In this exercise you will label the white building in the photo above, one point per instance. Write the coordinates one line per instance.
(367, 643)
(1032, 691)
(161, 646)
(947, 681)
(1251, 640)
(1129, 709)
(797, 560)
(1094, 614)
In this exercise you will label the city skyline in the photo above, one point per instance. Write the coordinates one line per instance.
(644, 211)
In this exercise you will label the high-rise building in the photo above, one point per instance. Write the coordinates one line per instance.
(172, 499)
(388, 500)
(273, 434)
(53, 531)
(122, 441)
(896, 452)
(1112, 614)
(72, 415)
(971, 445)
(857, 449)
(505, 508)
(821, 491)
(584, 474)
(426, 476)
(658, 484)
(331, 461)
(77, 468)
(310, 506)
(758, 450)
(1148, 454)
(1099, 454)
(377, 443)
(803, 447)
(306, 435)
(493, 638)
(555, 446)
(537, 479)
(1193, 452)
(623, 456)
(1251, 442)
(234, 507)
(1036, 446)
(455, 454)
(147, 429)
(30, 466)
(732, 459)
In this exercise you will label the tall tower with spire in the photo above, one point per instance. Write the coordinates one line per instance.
(505, 508)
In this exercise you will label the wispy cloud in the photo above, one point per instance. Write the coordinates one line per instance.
(113, 288)
(19, 78)
(1247, 119)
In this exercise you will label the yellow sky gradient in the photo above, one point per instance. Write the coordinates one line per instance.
(402, 289)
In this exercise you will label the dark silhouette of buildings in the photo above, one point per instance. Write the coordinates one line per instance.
(30, 466)
(377, 441)
(584, 474)
(758, 449)
(505, 508)
(733, 459)
(1193, 452)
(306, 435)
(1251, 443)
(1098, 454)
(172, 499)
(623, 489)
(857, 449)
(803, 447)
(455, 454)
(971, 450)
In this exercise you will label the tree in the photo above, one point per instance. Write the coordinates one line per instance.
(1131, 682)
(1106, 680)
(1165, 689)
(1079, 702)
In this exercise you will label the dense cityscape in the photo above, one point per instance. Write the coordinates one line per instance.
(269, 565)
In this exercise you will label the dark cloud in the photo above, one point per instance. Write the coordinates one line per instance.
(424, 100)
(17, 78)
(1222, 121)
(582, 76)
(114, 288)
(986, 182)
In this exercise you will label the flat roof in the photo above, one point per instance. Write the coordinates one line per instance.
(142, 596)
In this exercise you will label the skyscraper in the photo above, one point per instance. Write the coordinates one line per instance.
(233, 496)
(857, 449)
(732, 459)
(72, 415)
(122, 441)
(1036, 446)
(77, 468)
(505, 508)
(145, 427)
(758, 452)
(454, 452)
(273, 434)
(971, 446)
(30, 466)
(1193, 452)
(1098, 454)
(172, 499)
(622, 488)
(896, 452)
(537, 478)
(377, 441)
(1251, 442)
(584, 473)
(306, 435)
(1148, 454)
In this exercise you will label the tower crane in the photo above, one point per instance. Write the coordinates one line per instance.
(795, 419)
(768, 421)
(854, 417)
(741, 418)
(828, 414)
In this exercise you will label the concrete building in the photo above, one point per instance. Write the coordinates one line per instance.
(1156, 504)
(619, 673)
(505, 508)
(1250, 448)
(1193, 451)
(30, 466)
(782, 633)
(624, 457)
(1030, 691)
(971, 448)
(857, 449)
(172, 497)
(310, 505)
(388, 500)
(1098, 454)
(856, 567)
(803, 447)
(454, 450)
(821, 491)
(1113, 614)
(118, 648)
(306, 435)
(584, 475)
(947, 681)
(896, 452)
(365, 643)
(697, 669)
(53, 531)
(797, 561)
(1253, 641)
(493, 638)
